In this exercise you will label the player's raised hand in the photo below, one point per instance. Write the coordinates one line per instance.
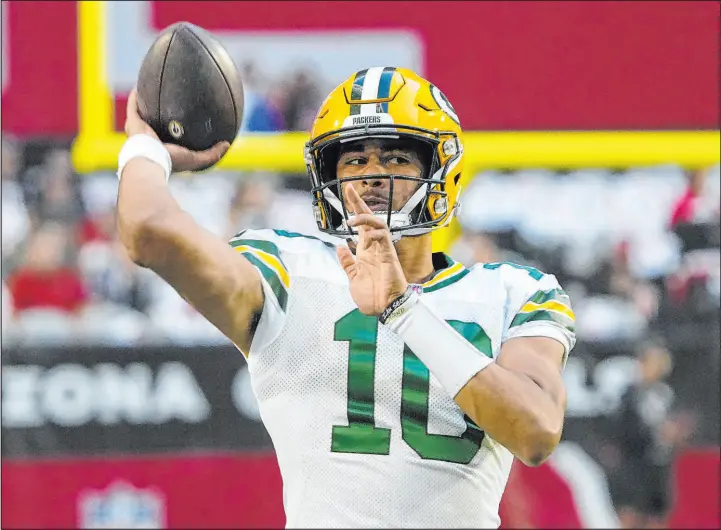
(183, 159)
(375, 273)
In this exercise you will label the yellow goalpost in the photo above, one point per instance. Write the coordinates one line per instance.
(97, 144)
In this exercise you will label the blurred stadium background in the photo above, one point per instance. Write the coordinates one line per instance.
(595, 156)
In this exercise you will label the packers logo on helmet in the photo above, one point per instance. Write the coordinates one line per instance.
(395, 104)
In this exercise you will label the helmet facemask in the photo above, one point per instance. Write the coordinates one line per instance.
(413, 218)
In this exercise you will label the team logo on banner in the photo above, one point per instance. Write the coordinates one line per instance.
(122, 505)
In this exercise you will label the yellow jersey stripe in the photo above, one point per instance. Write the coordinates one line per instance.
(550, 305)
(270, 260)
(455, 269)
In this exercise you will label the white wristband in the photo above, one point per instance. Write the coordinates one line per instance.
(145, 146)
(449, 357)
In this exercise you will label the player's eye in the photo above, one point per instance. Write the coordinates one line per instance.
(355, 161)
(398, 160)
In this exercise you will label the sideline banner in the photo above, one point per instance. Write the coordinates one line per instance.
(99, 401)
(170, 437)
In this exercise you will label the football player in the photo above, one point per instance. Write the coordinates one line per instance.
(397, 385)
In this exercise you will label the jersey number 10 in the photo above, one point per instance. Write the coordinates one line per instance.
(361, 435)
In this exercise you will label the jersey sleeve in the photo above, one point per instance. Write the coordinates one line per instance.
(539, 307)
(260, 249)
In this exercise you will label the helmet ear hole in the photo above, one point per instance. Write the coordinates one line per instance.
(456, 179)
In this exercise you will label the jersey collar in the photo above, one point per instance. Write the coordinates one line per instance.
(447, 272)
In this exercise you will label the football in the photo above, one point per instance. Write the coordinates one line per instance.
(189, 90)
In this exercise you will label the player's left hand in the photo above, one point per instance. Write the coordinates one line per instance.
(375, 273)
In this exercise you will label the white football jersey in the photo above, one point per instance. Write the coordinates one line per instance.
(364, 435)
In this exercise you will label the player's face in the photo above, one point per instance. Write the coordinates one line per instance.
(380, 157)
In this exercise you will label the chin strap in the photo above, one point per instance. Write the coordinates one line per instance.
(398, 219)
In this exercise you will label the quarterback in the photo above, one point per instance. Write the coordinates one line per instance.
(396, 384)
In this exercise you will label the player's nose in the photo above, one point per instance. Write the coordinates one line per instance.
(373, 168)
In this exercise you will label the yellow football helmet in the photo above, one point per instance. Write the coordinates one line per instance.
(393, 103)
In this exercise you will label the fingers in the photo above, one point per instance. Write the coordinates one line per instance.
(219, 150)
(134, 123)
(357, 204)
(187, 160)
(378, 235)
(210, 156)
(368, 220)
(345, 256)
(371, 229)
(131, 108)
(132, 116)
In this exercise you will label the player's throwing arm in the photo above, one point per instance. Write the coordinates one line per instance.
(209, 274)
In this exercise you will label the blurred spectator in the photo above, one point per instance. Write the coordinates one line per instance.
(264, 116)
(476, 247)
(106, 269)
(59, 199)
(260, 114)
(7, 306)
(619, 305)
(700, 202)
(303, 98)
(695, 221)
(251, 204)
(44, 280)
(648, 435)
(15, 217)
(622, 283)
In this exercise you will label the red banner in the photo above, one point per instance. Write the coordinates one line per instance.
(539, 65)
(198, 491)
(243, 490)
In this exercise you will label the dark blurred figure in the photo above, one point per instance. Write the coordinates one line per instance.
(107, 270)
(303, 97)
(16, 222)
(251, 205)
(700, 202)
(614, 277)
(695, 287)
(10, 158)
(47, 279)
(262, 113)
(59, 194)
(649, 433)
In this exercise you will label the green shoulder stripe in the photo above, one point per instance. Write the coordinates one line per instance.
(285, 233)
(445, 283)
(541, 315)
(558, 295)
(265, 256)
(276, 285)
(260, 244)
(474, 334)
(532, 272)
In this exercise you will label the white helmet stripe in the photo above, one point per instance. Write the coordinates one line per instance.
(370, 89)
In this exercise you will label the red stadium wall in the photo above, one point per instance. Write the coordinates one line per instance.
(539, 65)
(244, 490)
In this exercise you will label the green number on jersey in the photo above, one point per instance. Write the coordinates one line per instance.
(361, 435)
